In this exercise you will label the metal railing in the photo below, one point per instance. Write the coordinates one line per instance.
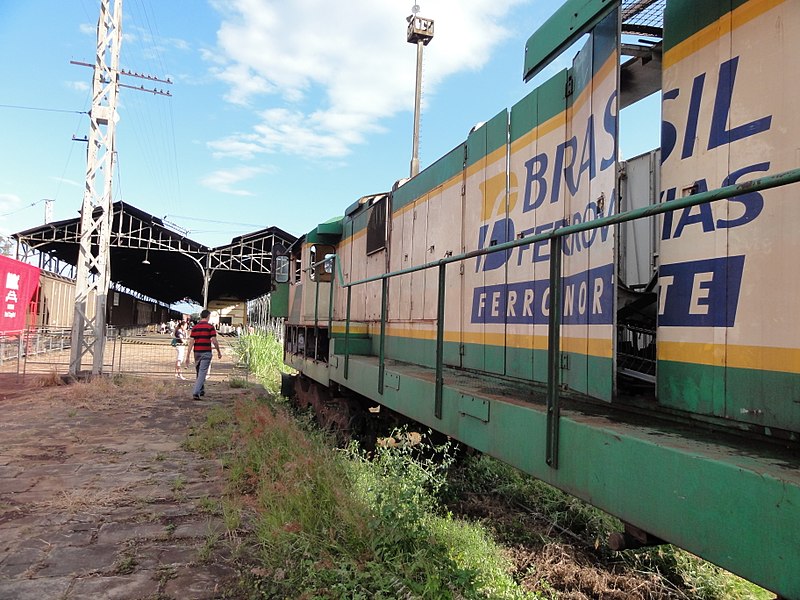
(555, 238)
(44, 350)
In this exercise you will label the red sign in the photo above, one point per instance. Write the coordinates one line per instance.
(18, 284)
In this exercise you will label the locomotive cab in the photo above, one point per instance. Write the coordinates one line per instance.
(306, 274)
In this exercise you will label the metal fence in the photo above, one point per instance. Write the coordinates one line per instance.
(139, 351)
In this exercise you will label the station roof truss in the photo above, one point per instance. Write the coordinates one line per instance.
(159, 262)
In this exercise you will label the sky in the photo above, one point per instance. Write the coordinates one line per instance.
(281, 113)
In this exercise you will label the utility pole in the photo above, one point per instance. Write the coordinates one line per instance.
(94, 266)
(420, 32)
(48, 210)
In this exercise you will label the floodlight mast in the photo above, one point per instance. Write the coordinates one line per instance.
(420, 32)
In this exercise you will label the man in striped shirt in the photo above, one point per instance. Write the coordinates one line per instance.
(201, 339)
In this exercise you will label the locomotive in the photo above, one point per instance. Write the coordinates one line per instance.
(623, 330)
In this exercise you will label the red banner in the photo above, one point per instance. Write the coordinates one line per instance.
(18, 284)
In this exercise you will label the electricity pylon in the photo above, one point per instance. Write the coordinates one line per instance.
(94, 264)
(89, 327)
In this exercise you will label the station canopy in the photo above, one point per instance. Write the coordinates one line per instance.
(153, 259)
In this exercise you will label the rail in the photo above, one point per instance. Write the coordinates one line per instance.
(554, 318)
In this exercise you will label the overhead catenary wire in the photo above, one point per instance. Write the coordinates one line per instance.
(20, 209)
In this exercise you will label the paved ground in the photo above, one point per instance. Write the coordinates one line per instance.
(99, 500)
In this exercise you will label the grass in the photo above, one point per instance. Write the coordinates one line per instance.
(482, 474)
(669, 568)
(238, 383)
(210, 542)
(341, 524)
(263, 355)
(103, 392)
(209, 506)
(179, 483)
(126, 561)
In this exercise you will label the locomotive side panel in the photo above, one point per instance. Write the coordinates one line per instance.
(425, 225)
(589, 189)
(486, 224)
(527, 342)
(727, 346)
(344, 257)
(376, 264)
(563, 162)
(400, 253)
(444, 238)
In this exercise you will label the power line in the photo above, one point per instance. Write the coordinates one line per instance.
(214, 221)
(58, 110)
(27, 206)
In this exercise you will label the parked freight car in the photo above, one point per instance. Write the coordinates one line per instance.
(54, 306)
(514, 295)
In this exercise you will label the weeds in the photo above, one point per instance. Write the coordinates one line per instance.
(126, 562)
(238, 383)
(336, 524)
(485, 475)
(179, 483)
(671, 572)
(263, 355)
(208, 505)
(213, 437)
(232, 514)
(211, 540)
(701, 579)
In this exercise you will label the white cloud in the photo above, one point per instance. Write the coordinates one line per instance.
(67, 181)
(224, 180)
(331, 75)
(243, 147)
(78, 86)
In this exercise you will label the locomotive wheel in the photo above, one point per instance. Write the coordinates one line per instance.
(335, 414)
(288, 383)
(303, 392)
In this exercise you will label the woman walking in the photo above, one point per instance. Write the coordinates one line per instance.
(179, 341)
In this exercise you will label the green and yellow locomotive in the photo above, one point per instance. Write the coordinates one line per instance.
(625, 331)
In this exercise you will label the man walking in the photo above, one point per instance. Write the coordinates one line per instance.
(201, 339)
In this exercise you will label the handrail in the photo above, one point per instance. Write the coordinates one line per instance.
(554, 318)
(762, 183)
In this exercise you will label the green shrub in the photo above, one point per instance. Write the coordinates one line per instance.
(430, 554)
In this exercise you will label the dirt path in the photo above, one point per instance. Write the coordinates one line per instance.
(99, 500)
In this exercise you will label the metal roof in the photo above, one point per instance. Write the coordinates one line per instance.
(241, 269)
